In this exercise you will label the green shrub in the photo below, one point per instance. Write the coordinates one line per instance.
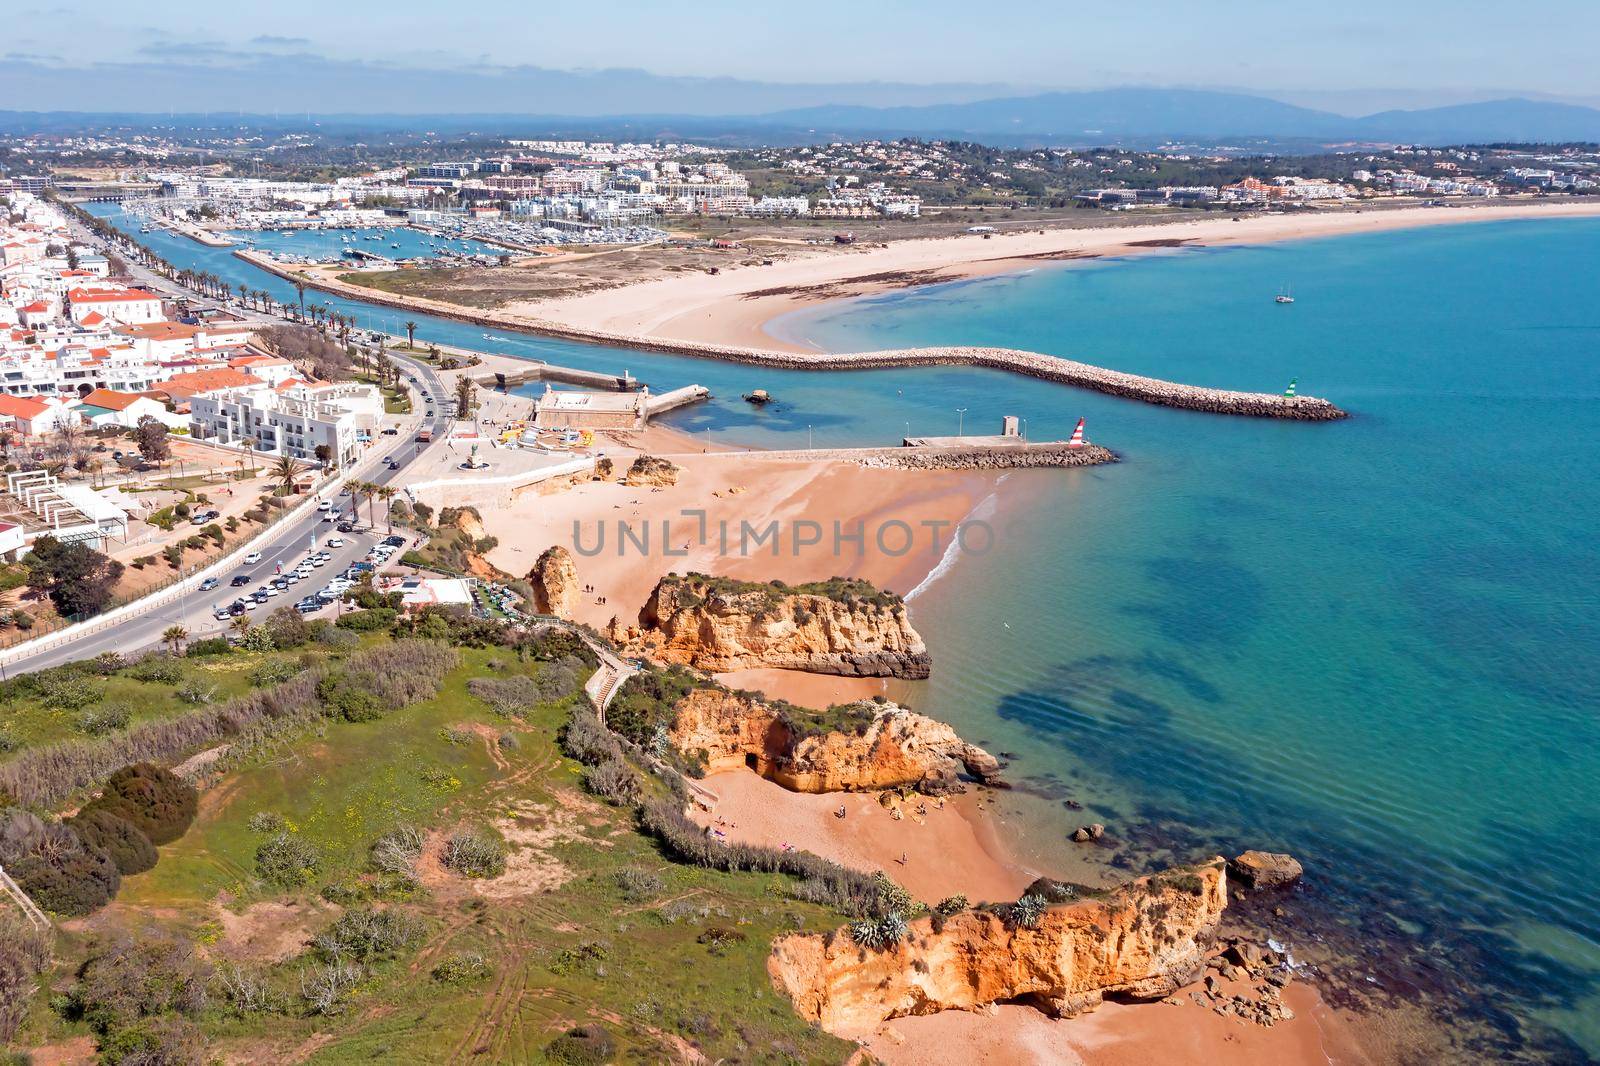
(461, 967)
(1025, 913)
(645, 702)
(365, 935)
(119, 838)
(287, 861)
(379, 618)
(55, 866)
(164, 1040)
(156, 801)
(951, 905)
(107, 718)
(638, 885)
(196, 691)
(67, 690)
(586, 1045)
(267, 822)
(880, 933)
(209, 646)
(273, 672)
(127, 979)
(475, 854)
(157, 669)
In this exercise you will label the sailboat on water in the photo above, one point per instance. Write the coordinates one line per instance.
(1285, 297)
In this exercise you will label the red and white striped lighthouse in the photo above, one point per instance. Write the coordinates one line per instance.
(1077, 436)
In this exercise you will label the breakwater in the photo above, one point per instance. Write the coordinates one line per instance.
(1032, 364)
(927, 457)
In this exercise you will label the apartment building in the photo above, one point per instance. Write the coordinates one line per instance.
(293, 419)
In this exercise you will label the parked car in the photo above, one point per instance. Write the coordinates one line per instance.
(240, 580)
(308, 606)
(362, 567)
(221, 614)
(208, 584)
(394, 541)
(344, 527)
(391, 432)
(252, 558)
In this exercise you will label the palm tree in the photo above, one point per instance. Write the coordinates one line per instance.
(464, 396)
(284, 472)
(174, 636)
(250, 447)
(371, 491)
(356, 489)
(300, 290)
(241, 624)
(387, 493)
(411, 334)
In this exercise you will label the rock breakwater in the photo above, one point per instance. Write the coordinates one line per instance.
(1033, 364)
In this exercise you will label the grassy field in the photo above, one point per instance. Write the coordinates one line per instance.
(589, 924)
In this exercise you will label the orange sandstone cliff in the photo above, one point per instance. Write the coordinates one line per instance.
(843, 626)
(554, 579)
(859, 747)
(1141, 941)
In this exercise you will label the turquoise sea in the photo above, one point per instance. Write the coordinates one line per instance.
(1374, 644)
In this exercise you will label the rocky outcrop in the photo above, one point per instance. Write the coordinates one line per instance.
(841, 626)
(554, 578)
(1142, 941)
(1266, 869)
(858, 747)
(650, 470)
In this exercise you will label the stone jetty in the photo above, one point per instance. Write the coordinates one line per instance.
(1033, 364)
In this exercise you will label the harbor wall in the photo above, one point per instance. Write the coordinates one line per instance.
(1032, 364)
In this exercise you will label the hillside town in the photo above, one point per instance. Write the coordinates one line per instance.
(87, 356)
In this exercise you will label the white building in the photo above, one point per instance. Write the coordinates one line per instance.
(292, 421)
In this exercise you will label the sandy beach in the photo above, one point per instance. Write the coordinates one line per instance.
(734, 306)
(734, 490)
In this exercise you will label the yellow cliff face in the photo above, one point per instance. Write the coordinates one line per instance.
(881, 745)
(716, 625)
(1143, 941)
(554, 578)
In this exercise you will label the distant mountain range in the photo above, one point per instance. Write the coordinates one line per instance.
(1132, 117)
(1112, 115)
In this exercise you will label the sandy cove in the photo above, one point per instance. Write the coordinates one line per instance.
(947, 847)
(734, 306)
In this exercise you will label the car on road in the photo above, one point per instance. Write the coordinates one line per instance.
(325, 505)
(391, 432)
(335, 542)
(394, 540)
(208, 584)
(252, 559)
(221, 614)
(240, 580)
(345, 527)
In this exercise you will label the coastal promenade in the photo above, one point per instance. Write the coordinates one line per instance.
(1032, 364)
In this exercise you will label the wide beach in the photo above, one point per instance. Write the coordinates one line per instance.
(734, 306)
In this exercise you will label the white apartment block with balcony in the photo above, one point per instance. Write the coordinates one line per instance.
(293, 422)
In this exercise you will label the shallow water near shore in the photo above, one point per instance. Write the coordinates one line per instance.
(1372, 643)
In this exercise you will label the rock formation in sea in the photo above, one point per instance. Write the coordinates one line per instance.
(1141, 941)
(554, 578)
(855, 747)
(1265, 869)
(842, 626)
(651, 470)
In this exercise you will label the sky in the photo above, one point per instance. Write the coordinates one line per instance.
(1355, 56)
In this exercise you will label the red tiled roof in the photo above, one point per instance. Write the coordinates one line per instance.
(22, 406)
(112, 400)
(101, 296)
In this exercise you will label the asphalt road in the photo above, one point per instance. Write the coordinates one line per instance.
(289, 543)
